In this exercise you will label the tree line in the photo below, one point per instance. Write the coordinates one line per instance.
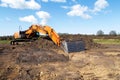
(111, 33)
(6, 37)
(98, 33)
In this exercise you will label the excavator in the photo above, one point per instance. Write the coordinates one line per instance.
(32, 34)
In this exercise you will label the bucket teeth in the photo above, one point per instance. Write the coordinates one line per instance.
(73, 46)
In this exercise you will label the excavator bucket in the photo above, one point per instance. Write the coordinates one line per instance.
(73, 46)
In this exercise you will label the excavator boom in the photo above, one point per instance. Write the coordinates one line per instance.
(53, 35)
(44, 30)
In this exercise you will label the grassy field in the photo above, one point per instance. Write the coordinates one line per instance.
(107, 41)
(4, 41)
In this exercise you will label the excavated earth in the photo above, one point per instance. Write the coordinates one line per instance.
(43, 60)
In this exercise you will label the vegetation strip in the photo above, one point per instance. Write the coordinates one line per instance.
(107, 41)
(4, 41)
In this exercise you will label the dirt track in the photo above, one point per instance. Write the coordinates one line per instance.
(42, 60)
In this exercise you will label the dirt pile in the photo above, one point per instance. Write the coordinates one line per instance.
(86, 39)
(43, 60)
(22, 62)
(46, 43)
(42, 56)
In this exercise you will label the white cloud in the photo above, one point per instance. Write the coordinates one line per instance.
(64, 7)
(20, 4)
(78, 10)
(85, 11)
(45, 0)
(29, 18)
(58, 0)
(44, 16)
(99, 5)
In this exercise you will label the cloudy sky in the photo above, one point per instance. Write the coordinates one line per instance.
(64, 16)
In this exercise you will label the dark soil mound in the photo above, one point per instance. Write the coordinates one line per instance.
(42, 56)
(49, 44)
(44, 44)
(86, 39)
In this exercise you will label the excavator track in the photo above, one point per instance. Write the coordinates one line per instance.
(17, 41)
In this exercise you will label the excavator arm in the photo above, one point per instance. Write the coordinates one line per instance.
(45, 30)
(53, 35)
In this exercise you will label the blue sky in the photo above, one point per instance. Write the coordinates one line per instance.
(64, 16)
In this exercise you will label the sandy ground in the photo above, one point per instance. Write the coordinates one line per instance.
(23, 62)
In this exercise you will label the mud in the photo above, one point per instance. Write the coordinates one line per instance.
(43, 60)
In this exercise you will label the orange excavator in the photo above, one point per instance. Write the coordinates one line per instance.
(33, 33)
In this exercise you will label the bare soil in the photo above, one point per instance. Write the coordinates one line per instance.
(43, 60)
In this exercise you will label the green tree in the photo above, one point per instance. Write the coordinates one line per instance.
(100, 33)
(112, 33)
